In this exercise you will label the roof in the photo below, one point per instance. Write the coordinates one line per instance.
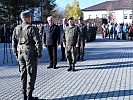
(115, 5)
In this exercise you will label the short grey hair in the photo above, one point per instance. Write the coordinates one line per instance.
(49, 18)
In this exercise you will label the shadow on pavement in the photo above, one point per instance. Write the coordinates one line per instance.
(108, 53)
(99, 95)
(107, 65)
(109, 40)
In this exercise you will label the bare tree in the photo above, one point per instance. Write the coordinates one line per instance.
(110, 13)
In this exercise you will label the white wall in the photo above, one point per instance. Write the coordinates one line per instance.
(118, 15)
(93, 14)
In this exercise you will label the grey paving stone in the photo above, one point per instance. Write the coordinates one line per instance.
(106, 74)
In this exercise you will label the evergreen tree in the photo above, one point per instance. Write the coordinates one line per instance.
(47, 8)
(13, 8)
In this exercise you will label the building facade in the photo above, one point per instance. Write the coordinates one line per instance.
(114, 11)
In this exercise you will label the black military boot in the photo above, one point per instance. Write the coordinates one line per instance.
(78, 59)
(70, 67)
(30, 97)
(50, 66)
(73, 67)
(54, 67)
(82, 58)
(24, 96)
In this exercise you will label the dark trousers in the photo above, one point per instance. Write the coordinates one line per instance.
(28, 71)
(62, 51)
(52, 51)
(124, 36)
(80, 50)
(71, 54)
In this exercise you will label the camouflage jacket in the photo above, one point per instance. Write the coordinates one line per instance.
(71, 36)
(26, 38)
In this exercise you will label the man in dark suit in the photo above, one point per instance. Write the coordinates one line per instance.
(51, 41)
(62, 28)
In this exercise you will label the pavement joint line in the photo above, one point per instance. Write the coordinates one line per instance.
(102, 75)
(111, 57)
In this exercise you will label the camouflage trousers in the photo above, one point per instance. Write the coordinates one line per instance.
(28, 70)
(80, 50)
(71, 54)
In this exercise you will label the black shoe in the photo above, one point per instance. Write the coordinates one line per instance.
(78, 59)
(63, 59)
(82, 59)
(32, 98)
(73, 68)
(24, 96)
(55, 67)
(70, 68)
(50, 67)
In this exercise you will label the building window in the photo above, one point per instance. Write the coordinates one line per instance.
(130, 16)
(104, 16)
(97, 16)
(125, 16)
(89, 16)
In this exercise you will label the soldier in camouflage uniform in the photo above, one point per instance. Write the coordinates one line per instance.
(83, 30)
(71, 40)
(27, 49)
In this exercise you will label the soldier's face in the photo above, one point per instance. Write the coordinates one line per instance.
(71, 22)
(27, 19)
(80, 21)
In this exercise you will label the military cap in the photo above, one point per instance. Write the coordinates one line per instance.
(25, 14)
(80, 18)
(70, 18)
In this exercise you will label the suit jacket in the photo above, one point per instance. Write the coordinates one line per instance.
(62, 31)
(51, 35)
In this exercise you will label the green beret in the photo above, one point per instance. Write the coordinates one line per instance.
(80, 18)
(25, 14)
(70, 18)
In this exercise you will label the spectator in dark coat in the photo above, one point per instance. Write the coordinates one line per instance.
(62, 28)
(51, 41)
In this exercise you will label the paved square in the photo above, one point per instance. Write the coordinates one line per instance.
(106, 74)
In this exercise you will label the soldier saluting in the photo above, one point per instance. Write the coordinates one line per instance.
(27, 48)
(71, 40)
